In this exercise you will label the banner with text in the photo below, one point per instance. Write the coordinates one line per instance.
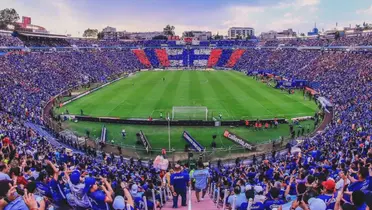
(144, 141)
(194, 144)
(238, 140)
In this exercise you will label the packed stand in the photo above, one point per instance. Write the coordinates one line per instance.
(332, 171)
(10, 41)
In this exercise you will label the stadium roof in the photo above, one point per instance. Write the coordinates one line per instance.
(42, 35)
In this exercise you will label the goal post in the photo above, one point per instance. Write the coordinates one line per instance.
(189, 113)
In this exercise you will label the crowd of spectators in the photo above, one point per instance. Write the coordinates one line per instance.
(333, 169)
(9, 41)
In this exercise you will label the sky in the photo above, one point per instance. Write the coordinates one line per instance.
(74, 16)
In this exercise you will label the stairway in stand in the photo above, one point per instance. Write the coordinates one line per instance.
(206, 204)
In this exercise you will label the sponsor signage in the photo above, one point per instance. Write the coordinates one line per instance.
(195, 145)
(236, 139)
(144, 141)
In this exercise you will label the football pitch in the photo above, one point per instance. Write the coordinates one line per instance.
(232, 94)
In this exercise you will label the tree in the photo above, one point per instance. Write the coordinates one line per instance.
(248, 37)
(8, 17)
(302, 34)
(337, 35)
(358, 27)
(90, 33)
(189, 34)
(217, 37)
(125, 37)
(100, 35)
(169, 30)
(160, 37)
(238, 37)
(367, 26)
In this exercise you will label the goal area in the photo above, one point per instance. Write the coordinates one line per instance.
(189, 113)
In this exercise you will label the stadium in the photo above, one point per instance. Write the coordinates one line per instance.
(253, 123)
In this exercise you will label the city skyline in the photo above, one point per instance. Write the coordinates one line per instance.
(73, 17)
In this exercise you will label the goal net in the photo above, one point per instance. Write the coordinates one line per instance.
(189, 113)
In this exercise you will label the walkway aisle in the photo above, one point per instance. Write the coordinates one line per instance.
(206, 204)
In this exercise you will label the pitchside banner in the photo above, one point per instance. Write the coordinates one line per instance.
(144, 141)
(236, 139)
(195, 145)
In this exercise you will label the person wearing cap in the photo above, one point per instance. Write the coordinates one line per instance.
(99, 196)
(201, 177)
(119, 201)
(77, 197)
(259, 196)
(179, 181)
(328, 193)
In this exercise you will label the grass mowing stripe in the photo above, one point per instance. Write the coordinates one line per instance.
(284, 105)
(132, 97)
(169, 92)
(210, 97)
(231, 93)
(146, 103)
(247, 102)
(256, 94)
(135, 97)
(226, 95)
(196, 94)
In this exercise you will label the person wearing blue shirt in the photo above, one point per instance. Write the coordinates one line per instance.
(179, 182)
(201, 177)
(328, 194)
(274, 202)
(51, 187)
(358, 201)
(99, 198)
(363, 181)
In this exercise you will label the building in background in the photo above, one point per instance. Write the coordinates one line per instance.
(199, 35)
(109, 33)
(26, 26)
(242, 32)
(289, 33)
(139, 35)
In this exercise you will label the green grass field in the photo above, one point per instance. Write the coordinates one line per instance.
(230, 93)
(158, 135)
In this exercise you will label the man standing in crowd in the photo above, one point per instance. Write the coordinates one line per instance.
(201, 176)
(179, 181)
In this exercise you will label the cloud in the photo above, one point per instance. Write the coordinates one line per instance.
(304, 3)
(57, 16)
(283, 15)
(367, 11)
